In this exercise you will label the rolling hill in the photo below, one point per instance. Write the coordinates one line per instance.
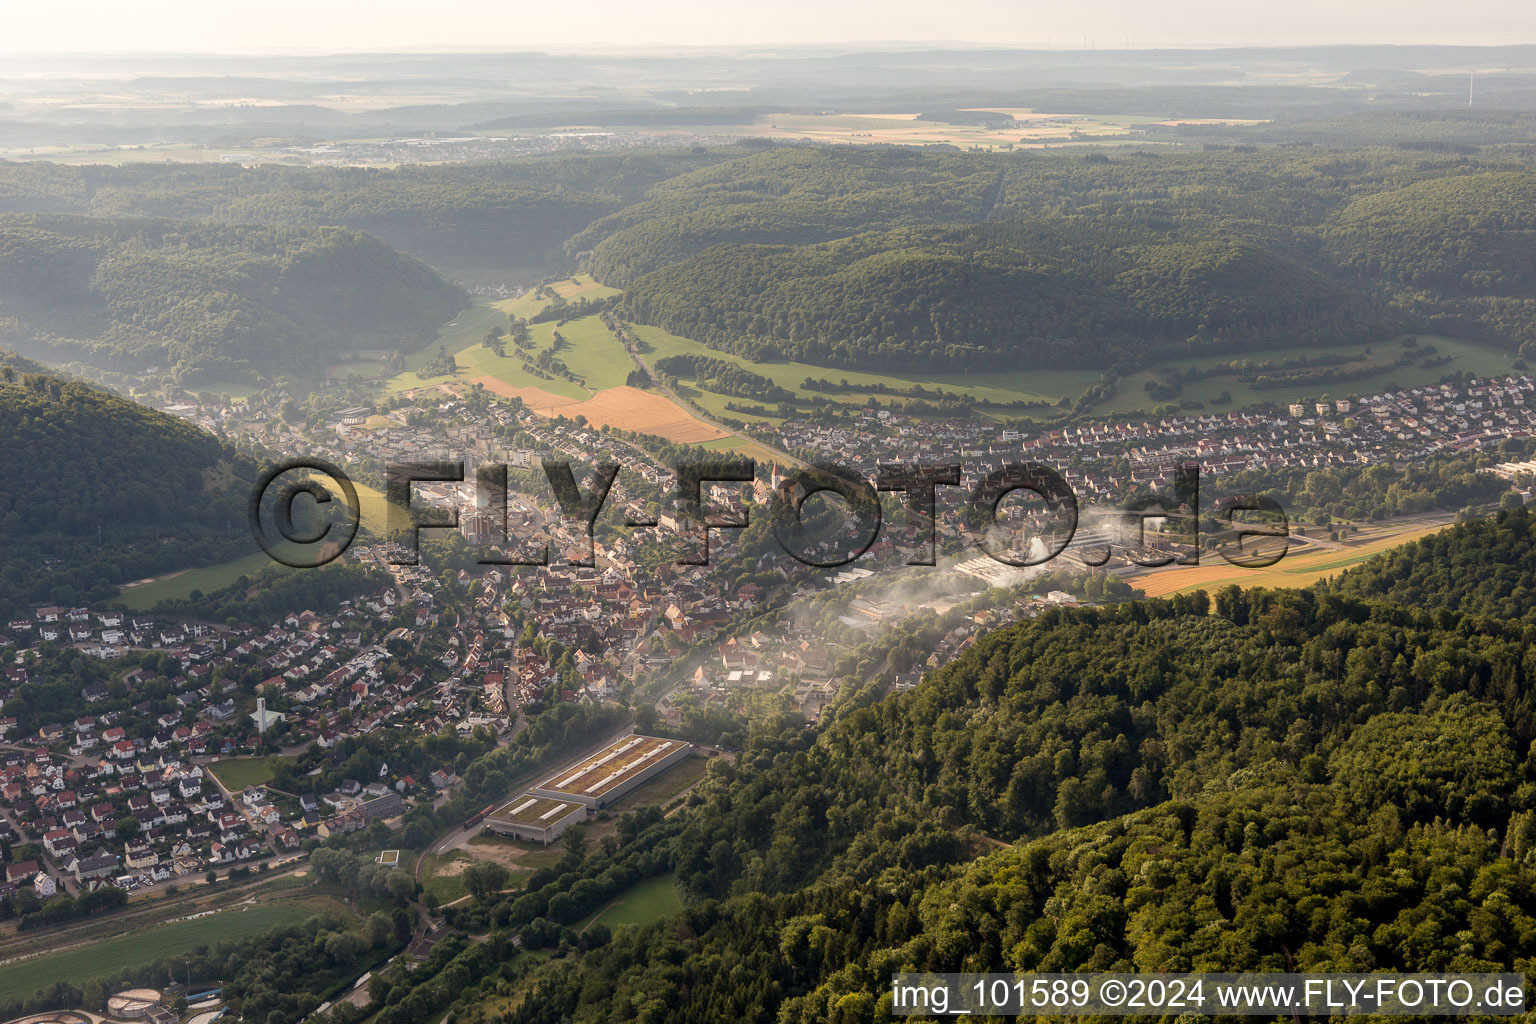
(95, 490)
(1016, 295)
(509, 213)
(1301, 781)
(794, 195)
(204, 301)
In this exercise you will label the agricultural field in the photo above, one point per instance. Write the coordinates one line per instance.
(647, 412)
(1033, 128)
(1296, 569)
(641, 903)
(581, 286)
(1465, 357)
(1130, 398)
(591, 353)
(20, 979)
(1020, 385)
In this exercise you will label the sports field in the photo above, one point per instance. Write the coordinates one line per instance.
(21, 979)
(239, 772)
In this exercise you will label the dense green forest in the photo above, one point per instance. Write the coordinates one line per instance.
(791, 195)
(509, 213)
(861, 256)
(1271, 780)
(96, 490)
(1018, 295)
(1483, 567)
(208, 302)
(1086, 260)
(878, 257)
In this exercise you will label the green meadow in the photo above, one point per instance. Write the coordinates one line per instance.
(103, 959)
(178, 586)
(641, 903)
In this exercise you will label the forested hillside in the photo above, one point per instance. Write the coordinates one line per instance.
(860, 256)
(886, 257)
(205, 301)
(1485, 567)
(96, 490)
(1048, 293)
(1462, 246)
(870, 258)
(793, 195)
(513, 213)
(1270, 780)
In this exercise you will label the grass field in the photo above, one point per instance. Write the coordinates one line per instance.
(1018, 385)
(1294, 570)
(179, 585)
(591, 353)
(19, 980)
(642, 903)
(581, 286)
(446, 883)
(357, 371)
(234, 389)
(239, 772)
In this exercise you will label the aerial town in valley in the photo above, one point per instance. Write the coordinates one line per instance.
(129, 793)
(579, 532)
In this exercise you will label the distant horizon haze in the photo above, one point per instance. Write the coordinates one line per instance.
(316, 27)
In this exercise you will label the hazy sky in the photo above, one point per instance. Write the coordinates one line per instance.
(273, 26)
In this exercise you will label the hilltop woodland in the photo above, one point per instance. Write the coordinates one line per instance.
(95, 489)
(208, 302)
(881, 258)
(1315, 780)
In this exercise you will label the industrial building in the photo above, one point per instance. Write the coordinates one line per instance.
(609, 774)
(535, 819)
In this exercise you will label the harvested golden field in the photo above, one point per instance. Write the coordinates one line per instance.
(628, 408)
(1297, 569)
